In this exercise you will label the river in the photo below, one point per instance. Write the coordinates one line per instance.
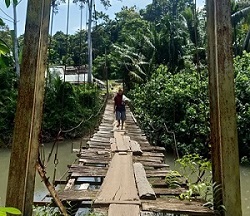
(66, 157)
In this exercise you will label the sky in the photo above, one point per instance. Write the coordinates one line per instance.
(74, 15)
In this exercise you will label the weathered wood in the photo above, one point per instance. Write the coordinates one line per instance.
(123, 210)
(96, 158)
(169, 191)
(24, 154)
(175, 206)
(224, 140)
(160, 182)
(146, 213)
(70, 184)
(79, 195)
(157, 173)
(89, 161)
(87, 171)
(149, 159)
(101, 146)
(153, 154)
(135, 148)
(119, 183)
(154, 149)
(112, 140)
(144, 189)
(83, 186)
(101, 140)
(120, 143)
(154, 165)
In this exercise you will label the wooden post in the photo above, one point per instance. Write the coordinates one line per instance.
(224, 140)
(24, 154)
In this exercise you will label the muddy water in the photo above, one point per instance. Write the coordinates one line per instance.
(67, 157)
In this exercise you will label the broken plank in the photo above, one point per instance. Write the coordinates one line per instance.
(144, 189)
(123, 210)
(70, 184)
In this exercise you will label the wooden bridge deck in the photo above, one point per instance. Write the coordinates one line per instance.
(120, 173)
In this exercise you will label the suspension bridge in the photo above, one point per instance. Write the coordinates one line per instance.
(128, 173)
(120, 173)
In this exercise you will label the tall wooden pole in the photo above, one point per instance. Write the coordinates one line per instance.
(24, 154)
(224, 139)
(15, 40)
(90, 57)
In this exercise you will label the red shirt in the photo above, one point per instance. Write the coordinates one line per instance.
(119, 104)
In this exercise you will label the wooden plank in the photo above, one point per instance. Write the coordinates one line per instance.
(107, 203)
(79, 195)
(112, 140)
(121, 145)
(84, 186)
(169, 191)
(160, 182)
(135, 148)
(89, 161)
(123, 210)
(97, 158)
(100, 146)
(119, 183)
(149, 159)
(154, 149)
(102, 140)
(70, 184)
(157, 173)
(147, 213)
(175, 206)
(114, 147)
(153, 154)
(154, 165)
(144, 189)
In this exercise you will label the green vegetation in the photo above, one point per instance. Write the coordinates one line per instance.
(160, 54)
(5, 210)
(66, 106)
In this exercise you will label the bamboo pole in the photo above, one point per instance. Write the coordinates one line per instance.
(24, 154)
(224, 139)
(51, 189)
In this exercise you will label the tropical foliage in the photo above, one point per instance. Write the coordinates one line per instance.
(159, 53)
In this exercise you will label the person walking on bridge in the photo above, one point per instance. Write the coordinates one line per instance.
(120, 101)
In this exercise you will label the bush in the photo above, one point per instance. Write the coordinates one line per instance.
(179, 102)
(8, 96)
(66, 106)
